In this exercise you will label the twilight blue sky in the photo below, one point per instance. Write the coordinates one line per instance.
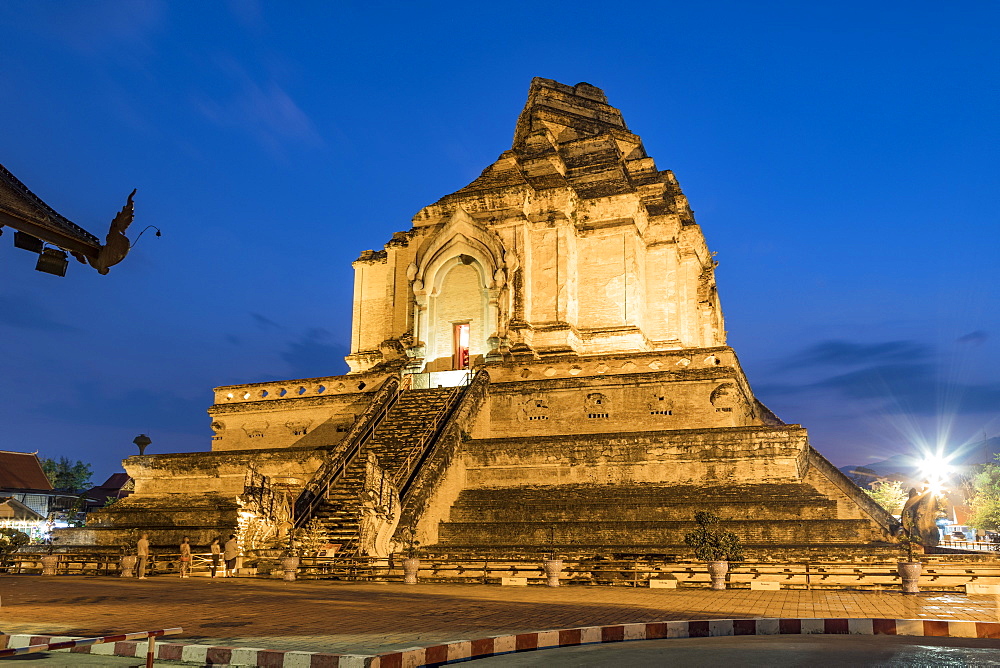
(841, 158)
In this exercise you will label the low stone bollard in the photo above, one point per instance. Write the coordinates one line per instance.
(290, 566)
(553, 567)
(49, 563)
(662, 584)
(909, 573)
(982, 589)
(411, 567)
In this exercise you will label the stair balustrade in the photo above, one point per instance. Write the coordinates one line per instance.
(316, 490)
(258, 490)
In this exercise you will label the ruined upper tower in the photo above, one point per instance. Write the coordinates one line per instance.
(572, 242)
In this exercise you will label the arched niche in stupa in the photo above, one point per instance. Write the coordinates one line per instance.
(457, 285)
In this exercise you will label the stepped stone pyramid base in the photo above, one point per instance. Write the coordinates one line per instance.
(194, 494)
(646, 518)
(515, 486)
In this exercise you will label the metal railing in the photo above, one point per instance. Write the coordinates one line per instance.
(102, 563)
(633, 573)
(938, 573)
(319, 487)
(977, 545)
(316, 490)
(81, 642)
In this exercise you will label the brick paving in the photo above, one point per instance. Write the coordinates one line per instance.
(362, 618)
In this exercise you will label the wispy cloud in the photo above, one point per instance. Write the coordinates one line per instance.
(261, 108)
(888, 377)
(250, 13)
(846, 353)
(90, 403)
(976, 338)
(106, 27)
(263, 322)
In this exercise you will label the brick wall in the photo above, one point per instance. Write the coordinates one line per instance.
(734, 455)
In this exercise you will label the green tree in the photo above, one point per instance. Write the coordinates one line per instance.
(10, 540)
(311, 537)
(985, 500)
(889, 494)
(64, 474)
(712, 544)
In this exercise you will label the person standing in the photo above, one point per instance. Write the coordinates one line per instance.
(232, 551)
(216, 556)
(185, 558)
(142, 550)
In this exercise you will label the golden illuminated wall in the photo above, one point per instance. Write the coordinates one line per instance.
(579, 245)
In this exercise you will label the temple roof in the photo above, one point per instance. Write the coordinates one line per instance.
(23, 210)
(12, 509)
(22, 470)
(38, 224)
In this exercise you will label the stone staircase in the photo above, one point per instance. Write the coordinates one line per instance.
(397, 439)
(397, 444)
(340, 513)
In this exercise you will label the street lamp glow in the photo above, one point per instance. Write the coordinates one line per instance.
(935, 467)
(935, 470)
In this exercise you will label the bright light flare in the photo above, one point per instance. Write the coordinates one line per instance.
(935, 467)
(936, 488)
(935, 470)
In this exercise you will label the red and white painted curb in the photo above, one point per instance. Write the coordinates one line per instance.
(202, 655)
(464, 650)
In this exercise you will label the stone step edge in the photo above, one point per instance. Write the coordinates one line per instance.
(465, 650)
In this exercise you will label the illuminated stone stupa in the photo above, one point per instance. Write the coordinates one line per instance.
(605, 409)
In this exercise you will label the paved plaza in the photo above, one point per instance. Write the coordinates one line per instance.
(364, 618)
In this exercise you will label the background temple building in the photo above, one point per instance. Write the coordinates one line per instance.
(539, 362)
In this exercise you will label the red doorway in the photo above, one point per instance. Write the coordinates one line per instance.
(460, 358)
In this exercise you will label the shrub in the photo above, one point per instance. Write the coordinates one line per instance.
(711, 543)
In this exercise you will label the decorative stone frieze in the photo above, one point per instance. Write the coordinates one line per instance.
(255, 429)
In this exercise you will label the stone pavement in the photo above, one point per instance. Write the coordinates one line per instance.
(365, 618)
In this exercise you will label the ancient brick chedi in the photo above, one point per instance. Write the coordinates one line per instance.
(572, 284)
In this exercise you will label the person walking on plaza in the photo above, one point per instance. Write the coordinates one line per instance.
(142, 550)
(231, 552)
(216, 556)
(185, 558)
